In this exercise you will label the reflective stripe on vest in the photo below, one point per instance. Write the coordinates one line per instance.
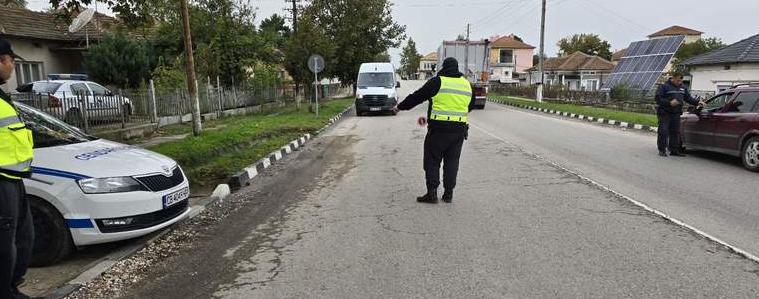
(16, 145)
(451, 103)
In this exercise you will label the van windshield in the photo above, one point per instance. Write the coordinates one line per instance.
(376, 80)
(47, 130)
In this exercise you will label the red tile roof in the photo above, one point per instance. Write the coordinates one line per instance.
(432, 56)
(510, 43)
(19, 22)
(576, 61)
(675, 30)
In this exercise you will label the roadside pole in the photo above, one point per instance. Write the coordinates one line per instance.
(154, 113)
(316, 65)
(192, 82)
(539, 95)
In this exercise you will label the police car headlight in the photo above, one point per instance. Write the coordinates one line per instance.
(359, 96)
(110, 185)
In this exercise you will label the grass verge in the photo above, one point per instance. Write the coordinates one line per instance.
(624, 116)
(237, 142)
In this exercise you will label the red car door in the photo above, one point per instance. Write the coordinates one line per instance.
(734, 121)
(698, 127)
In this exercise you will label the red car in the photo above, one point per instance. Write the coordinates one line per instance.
(729, 124)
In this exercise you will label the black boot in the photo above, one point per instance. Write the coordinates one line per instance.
(448, 196)
(430, 197)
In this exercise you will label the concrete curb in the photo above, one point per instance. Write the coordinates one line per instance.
(221, 192)
(244, 177)
(612, 122)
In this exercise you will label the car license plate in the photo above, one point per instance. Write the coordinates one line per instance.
(173, 198)
(375, 108)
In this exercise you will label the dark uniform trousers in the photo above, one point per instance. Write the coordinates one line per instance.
(669, 131)
(442, 147)
(16, 233)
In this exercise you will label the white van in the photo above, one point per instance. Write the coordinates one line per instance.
(376, 88)
(85, 190)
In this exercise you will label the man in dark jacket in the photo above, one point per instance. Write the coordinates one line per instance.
(450, 99)
(670, 99)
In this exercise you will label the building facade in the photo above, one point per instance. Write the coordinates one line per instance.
(577, 71)
(721, 69)
(510, 58)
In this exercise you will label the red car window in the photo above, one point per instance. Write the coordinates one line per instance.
(744, 102)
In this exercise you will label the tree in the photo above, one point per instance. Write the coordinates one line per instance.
(309, 39)
(13, 3)
(701, 46)
(410, 58)
(382, 57)
(460, 38)
(274, 34)
(588, 43)
(118, 60)
(359, 30)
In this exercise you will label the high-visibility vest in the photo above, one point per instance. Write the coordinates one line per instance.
(16, 145)
(451, 103)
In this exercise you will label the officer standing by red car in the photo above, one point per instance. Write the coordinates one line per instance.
(670, 98)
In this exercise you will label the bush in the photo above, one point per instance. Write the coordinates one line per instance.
(119, 61)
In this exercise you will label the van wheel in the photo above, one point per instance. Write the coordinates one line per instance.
(52, 238)
(74, 117)
(750, 154)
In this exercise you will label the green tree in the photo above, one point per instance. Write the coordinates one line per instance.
(410, 58)
(382, 57)
(588, 43)
(118, 60)
(701, 46)
(273, 33)
(309, 39)
(13, 3)
(359, 31)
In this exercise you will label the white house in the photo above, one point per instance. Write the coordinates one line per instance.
(720, 69)
(427, 66)
(577, 71)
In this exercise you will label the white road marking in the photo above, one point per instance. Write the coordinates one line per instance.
(675, 221)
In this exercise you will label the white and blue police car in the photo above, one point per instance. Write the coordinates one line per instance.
(86, 190)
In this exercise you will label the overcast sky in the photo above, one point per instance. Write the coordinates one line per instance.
(429, 22)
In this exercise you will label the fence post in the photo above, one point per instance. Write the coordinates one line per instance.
(83, 112)
(153, 106)
(120, 102)
(220, 91)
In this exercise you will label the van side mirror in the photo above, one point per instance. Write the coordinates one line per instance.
(397, 84)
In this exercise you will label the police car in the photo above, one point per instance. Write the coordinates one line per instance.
(71, 96)
(86, 190)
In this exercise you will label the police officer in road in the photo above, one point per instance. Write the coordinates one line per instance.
(16, 230)
(670, 98)
(451, 99)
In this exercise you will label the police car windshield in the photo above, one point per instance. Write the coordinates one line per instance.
(47, 130)
(376, 80)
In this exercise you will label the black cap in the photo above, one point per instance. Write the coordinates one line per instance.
(5, 49)
(450, 63)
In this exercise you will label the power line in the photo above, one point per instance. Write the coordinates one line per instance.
(493, 15)
(609, 11)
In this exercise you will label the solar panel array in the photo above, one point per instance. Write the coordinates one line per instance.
(644, 62)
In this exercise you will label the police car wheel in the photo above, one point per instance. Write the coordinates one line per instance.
(750, 154)
(52, 239)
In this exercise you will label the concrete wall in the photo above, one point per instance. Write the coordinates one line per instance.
(710, 78)
(53, 61)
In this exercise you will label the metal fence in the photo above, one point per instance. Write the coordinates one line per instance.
(130, 108)
(621, 99)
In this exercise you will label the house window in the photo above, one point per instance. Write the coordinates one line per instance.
(506, 56)
(27, 71)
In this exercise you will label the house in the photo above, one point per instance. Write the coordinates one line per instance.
(577, 71)
(690, 34)
(720, 69)
(427, 66)
(45, 43)
(509, 58)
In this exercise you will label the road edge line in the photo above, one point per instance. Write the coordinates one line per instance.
(642, 205)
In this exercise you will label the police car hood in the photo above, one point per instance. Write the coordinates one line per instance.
(99, 159)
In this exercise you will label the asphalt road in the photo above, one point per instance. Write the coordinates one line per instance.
(711, 192)
(338, 220)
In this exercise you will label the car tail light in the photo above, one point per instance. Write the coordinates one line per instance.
(53, 102)
(479, 91)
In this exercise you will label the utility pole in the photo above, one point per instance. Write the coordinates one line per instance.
(294, 12)
(542, 53)
(192, 82)
(466, 52)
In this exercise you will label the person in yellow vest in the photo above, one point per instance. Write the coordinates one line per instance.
(451, 98)
(16, 228)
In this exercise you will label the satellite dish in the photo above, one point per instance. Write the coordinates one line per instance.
(81, 20)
